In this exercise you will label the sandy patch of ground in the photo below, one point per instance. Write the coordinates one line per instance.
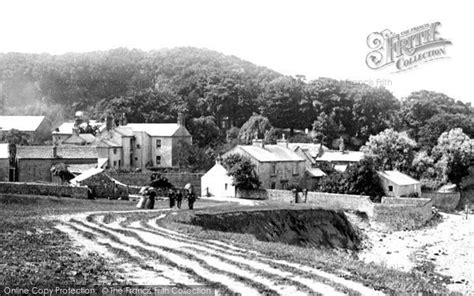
(449, 246)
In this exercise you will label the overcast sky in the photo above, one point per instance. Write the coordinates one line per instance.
(312, 38)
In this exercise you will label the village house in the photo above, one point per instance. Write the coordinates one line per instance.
(277, 166)
(131, 146)
(157, 144)
(70, 132)
(397, 184)
(34, 163)
(37, 128)
(216, 182)
(340, 160)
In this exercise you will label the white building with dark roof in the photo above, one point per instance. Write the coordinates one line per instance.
(398, 184)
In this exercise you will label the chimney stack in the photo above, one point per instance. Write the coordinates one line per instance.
(259, 142)
(283, 141)
(342, 147)
(55, 151)
(109, 122)
(181, 119)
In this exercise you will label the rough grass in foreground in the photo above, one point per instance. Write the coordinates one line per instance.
(340, 262)
(35, 252)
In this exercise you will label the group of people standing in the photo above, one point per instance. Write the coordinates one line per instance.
(147, 201)
(176, 196)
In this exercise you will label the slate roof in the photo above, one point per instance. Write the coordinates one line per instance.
(347, 156)
(124, 131)
(271, 153)
(107, 143)
(86, 175)
(66, 152)
(315, 172)
(310, 148)
(156, 129)
(21, 123)
(4, 151)
(80, 139)
(398, 177)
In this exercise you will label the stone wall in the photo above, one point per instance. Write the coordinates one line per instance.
(444, 201)
(43, 189)
(394, 212)
(360, 203)
(399, 216)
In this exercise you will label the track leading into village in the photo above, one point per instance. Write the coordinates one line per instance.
(149, 254)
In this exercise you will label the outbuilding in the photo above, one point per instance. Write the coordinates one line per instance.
(397, 184)
(217, 183)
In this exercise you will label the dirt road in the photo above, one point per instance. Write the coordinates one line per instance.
(149, 254)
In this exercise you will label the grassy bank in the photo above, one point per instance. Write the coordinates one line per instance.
(35, 252)
(343, 263)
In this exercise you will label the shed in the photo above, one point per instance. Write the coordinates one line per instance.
(216, 182)
(397, 184)
(101, 185)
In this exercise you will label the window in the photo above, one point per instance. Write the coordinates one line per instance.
(295, 169)
(119, 163)
(158, 143)
(158, 160)
(390, 188)
(136, 158)
(273, 185)
(115, 150)
(225, 186)
(138, 146)
(115, 163)
(284, 185)
(273, 169)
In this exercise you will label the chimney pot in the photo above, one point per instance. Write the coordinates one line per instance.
(181, 119)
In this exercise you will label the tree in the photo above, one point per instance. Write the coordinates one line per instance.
(421, 106)
(242, 171)
(62, 172)
(281, 101)
(390, 150)
(453, 154)
(193, 158)
(256, 127)
(16, 137)
(362, 178)
(160, 181)
(205, 131)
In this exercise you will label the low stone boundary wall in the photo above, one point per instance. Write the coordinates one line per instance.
(397, 213)
(43, 189)
(403, 216)
(444, 201)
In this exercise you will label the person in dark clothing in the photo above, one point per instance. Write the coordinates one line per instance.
(172, 197)
(191, 200)
(150, 203)
(179, 198)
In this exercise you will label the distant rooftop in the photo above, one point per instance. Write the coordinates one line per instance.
(315, 172)
(155, 129)
(311, 149)
(398, 177)
(21, 123)
(346, 156)
(66, 152)
(270, 153)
